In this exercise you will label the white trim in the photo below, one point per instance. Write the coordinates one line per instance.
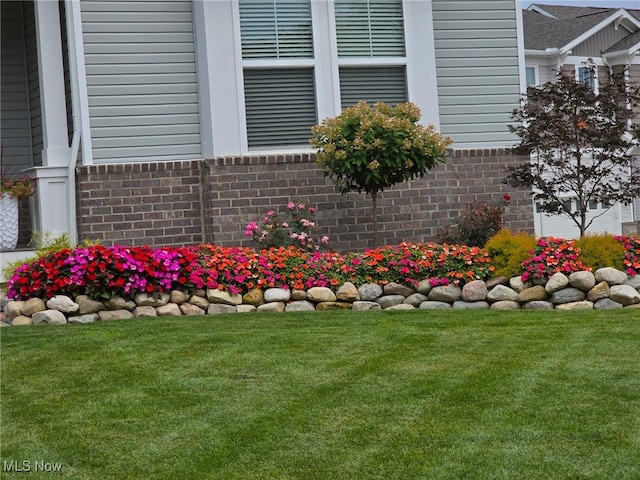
(618, 15)
(521, 53)
(76, 47)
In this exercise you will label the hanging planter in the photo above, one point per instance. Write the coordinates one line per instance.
(9, 214)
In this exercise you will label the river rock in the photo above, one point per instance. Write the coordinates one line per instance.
(320, 294)
(387, 301)
(394, 288)
(21, 320)
(606, 304)
(598, 292)
(119, 303)
(87, 305)
(108, 315)
(434, 305)
(199, 301)
(348, 293)
(415, 299)
(191, 309)
(178, 297)
(424, 287)
(219, 296)
(538, 305)
(556, 282)
(300, 306)
(144, 311)
(363, 305)
(32, 306)
(297, 295)
(63, 304)
(400, 306)
(474, 291)
(156, 299)
(54, 317)
(464, 305)
(634, 281)
(244, 308)
(445, 293)
(493, 282)
(532, 294)
(518, 285)
(277, 295)
(501, 293)
(169, 310)
(505, 305)
(14, 308)
(333, 306)
(624, 294)
(583, 280)
(274, 307)
(581, 305)
(221, 309)
(369, 291)
(611, 275)
(83, 319)
(567, 295)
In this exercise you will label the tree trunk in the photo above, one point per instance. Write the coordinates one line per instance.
(374, 197)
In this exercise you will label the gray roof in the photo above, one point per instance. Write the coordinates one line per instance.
(542, 31)
(625, 44)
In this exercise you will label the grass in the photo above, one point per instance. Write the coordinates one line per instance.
(403, 395)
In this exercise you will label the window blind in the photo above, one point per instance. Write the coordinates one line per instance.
(280, 106)
(369, 28)
(373, 84)
(276, 29)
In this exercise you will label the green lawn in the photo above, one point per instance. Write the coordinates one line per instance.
(337, 395)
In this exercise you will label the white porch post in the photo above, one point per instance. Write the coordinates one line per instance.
(51, 212)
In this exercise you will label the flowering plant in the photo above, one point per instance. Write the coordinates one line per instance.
(9, 186)
(294, 229)
(631, 253)
(552, 255)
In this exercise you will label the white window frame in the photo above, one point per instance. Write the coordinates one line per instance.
(535, 75)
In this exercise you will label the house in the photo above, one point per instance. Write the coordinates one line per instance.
(178, 121)
(564, 38)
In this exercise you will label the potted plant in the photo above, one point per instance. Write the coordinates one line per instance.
(12, 189)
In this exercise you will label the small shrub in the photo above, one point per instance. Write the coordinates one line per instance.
(509, 250)
(631, 260)
(552, 255)
(601, 250)
(477, 224)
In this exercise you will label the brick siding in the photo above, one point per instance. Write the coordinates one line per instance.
(181, 203)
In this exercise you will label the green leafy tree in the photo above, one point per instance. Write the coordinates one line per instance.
(580, 143)
(371, 148)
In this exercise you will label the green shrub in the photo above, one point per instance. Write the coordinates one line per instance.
(508, 250)
(601, 250)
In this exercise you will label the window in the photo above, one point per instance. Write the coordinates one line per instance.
(278, 69)
(371, 51)
(531, 76)
(587, 77)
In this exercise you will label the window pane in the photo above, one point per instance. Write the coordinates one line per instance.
(531, 75)
(276, 29)
(585, 76)
(369, 28)
(373, 84)
(280, 106)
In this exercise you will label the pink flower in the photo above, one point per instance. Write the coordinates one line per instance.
(291, 205)
(324, 239)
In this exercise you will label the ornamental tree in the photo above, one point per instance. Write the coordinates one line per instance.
(371, 148)
(580, 145)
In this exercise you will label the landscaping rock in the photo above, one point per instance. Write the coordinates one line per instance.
(14, 308)
(584, 281)
(21, 320)
(518, 285)
(493, 282)
(63, 304)
(169, 310)
(567, 295)
(394, 288)
(634, 281)
(532, 294)
(611, 275)
(119, 303)
(463, 305)
(83, 319)
(320, 294)
(606, 304)
(635, 305)
(581, 305)
(297, 295)
(598, 292)
(369, 291)
(218, 296)
(245, 308)
(53, 317)
(178, 297)
(275, 307)
(157, 299)
(199, 301)
(221, 308)
(191, 309)
(144, 311)
(474, 291)
(538, 305)
(401, 306)
(558, 281)
(505, 305)
(33, 306)
(300, 306)
(415, 299)
(348, 293)
(108, 315)
(445, 293)
(500, 293)
(624, 294)
(333, 306)
(434, 305)
(87, 305)
(363, 306)
(277, 295)
(387, 301)
(424, 287)
(4, 324)
(254, 297)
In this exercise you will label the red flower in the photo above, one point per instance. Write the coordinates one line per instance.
(506, 197)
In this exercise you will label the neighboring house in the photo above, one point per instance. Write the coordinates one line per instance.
(177, 122)
(563, 38)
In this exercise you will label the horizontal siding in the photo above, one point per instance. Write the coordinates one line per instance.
(141, 80)
(477, 70)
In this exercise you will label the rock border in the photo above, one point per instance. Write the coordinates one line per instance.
(608, 288)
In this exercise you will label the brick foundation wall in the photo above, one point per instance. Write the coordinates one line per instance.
(212, 200)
